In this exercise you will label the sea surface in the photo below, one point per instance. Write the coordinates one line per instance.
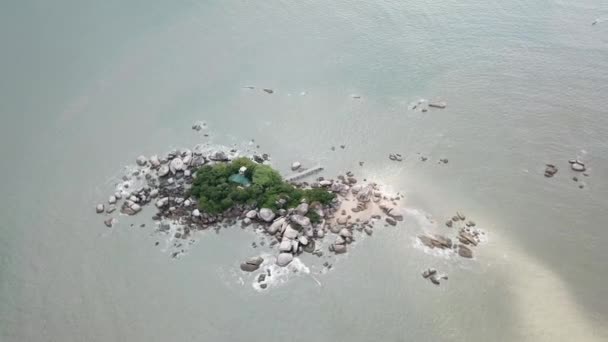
(87, 86)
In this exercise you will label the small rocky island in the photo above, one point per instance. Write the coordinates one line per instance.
(200, 189)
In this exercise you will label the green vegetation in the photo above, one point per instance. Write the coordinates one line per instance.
(216, 193)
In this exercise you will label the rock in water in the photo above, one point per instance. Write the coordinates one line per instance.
(396, 213)
(578, 166)
(112, 199)
(429, 272)
(266, 214)
(345, 233)
(141, 160)
(284, 259)
(438, 104)
(99, 208)
(296, 166)
(269, 91)
(155, 161)
(550, 170)
(339, 249)
(162, 202)
(177, 164)
(218, 156)
(252, 264)
(109, 222)
(465, 251)
(391, 221)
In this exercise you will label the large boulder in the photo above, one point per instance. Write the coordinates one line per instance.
(435, 241)
(345, 233)
(155, 161)
(302, 209)
(284, 259)
(366, 193)
(163, 171)
(300, 220)
(218, 156)
(99, 208)
(266, 214)
(290, 233)
(252, 264)
(162, 202)
(339, 249)
(141, 160)
(177, 164)
(295, 166)
(285, 245)
(465, 251)
(251, 214)
(275, 226)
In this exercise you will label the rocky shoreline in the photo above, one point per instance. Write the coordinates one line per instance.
(164, 183)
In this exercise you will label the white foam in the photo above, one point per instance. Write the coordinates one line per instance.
(278, 275)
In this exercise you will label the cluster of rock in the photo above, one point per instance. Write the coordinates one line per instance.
(575, 164)
(423, 105)
(165, 182)
(294, 232)
(432, 275)
(550, 170)
(395, 157)
(467, 235)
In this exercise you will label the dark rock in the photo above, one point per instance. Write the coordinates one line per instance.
(429, 272)
(269, 91)
(449, 224)
(99, 208)
(465, 251)
(252, 264)
(550, 170)
(391, 221)
(109, 222)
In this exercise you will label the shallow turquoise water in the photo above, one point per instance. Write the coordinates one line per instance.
(87, 87)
